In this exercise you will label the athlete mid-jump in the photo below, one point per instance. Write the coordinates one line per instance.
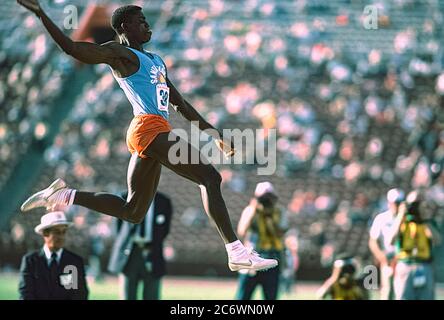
(143, 77)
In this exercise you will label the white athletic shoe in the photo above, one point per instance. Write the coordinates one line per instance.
(42, 198)
(251, 260)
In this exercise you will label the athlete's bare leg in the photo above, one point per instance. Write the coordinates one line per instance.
(143, 178)
(205, 175)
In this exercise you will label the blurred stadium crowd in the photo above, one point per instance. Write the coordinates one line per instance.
(357, 112)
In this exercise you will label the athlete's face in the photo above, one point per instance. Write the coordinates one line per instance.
(139, 28)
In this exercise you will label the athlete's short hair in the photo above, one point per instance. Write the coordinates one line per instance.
(121, 15)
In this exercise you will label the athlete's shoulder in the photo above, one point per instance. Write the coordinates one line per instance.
(117, 47)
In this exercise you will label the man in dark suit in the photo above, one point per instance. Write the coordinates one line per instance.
(52, 273)
(137, 254)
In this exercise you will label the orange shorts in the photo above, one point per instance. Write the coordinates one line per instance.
(143, 130)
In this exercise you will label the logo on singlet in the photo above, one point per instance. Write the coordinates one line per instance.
(157, 74)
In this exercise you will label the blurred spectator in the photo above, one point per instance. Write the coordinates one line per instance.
(436, 192)
(342, 216)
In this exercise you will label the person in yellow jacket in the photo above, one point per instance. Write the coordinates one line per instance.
(343, 284)
(263, 225)
(414, 238)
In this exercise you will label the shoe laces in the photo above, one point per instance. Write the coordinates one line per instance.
(249, 251)
(252, 252)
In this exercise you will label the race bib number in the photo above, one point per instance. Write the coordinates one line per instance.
(163, 97)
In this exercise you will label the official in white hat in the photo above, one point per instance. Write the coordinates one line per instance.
(53, 273)
(52, 219)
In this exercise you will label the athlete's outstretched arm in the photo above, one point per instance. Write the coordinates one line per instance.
(86, 52)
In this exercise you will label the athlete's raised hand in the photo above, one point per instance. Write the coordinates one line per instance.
(31, 5)
(226, 147)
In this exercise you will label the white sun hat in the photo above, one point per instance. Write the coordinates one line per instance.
(263, 188)
(395, 195)
(52, 219)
